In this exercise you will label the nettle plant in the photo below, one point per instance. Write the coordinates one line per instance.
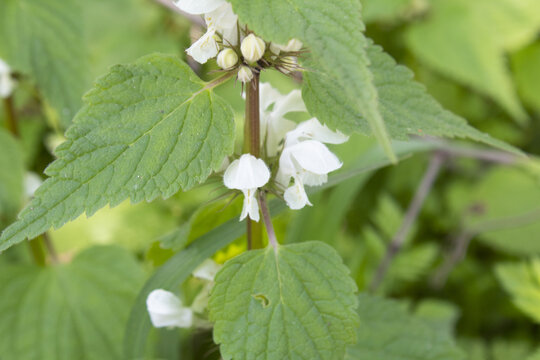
(152, 128)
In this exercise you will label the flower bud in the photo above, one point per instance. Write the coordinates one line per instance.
(227, 59)
(245, 74)
(288, 64)
(253, 48)
(294, 45)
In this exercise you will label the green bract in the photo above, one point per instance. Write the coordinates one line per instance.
(293, 302)
(147, 129)
(45, 40)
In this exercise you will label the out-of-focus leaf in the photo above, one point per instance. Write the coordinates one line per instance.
(522, 282)
(476, 36)
(441, 315)
(390, 10)
(527, 74)
(502, 205)
(67, 312)
(45, 39)
(389, 332)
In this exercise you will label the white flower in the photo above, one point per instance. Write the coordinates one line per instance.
(247, 174)
(166, 310)
(274, 125)
(219, 18)
(306, 160)
(227, 59)
(207, 270)
(288, 64)
(253, 48)
(245, 74)
(293, 45)
(7, 84)
(32, 182)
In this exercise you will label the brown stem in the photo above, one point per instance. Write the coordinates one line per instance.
(413, 211)
(252, 146)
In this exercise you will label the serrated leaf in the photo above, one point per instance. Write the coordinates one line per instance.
(45, 39)
(147, 129)
(405, 105)
(476, 36)
(386, 10)
(388, 332)
(66, 312)
(11, 178)
(522, 282)
(295, 302)
(333, 33)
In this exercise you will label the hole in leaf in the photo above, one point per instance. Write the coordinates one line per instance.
(263, 299)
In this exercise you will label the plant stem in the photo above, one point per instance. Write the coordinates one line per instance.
(413, 211)
(272, 239)
(252, 146)
(10, 116)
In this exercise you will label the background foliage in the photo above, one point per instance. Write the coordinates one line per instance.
(466, 281)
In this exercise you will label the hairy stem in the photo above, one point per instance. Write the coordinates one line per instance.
(272, 239)
(252, 146)
(413, 211)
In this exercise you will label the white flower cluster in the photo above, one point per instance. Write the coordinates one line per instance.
(223, 36)
(303, 157)
(167, 310)
(7, 84)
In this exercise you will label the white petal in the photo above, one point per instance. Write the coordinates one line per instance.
(199, 7)
(314, 130)
(287, 168)
(296, 196)
(205, 48)
(251, 206)
(268, 96)
(207, 270)
(222, 18)
(166, 310)
(276, 129)
(248, 172)
(292, 102)
(7, 84)
(314, 157)
(230, 36)
(32, 182)
(311, 179)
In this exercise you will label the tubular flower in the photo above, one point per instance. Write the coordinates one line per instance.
(245, 74)
(206, 272)
(220, 19)
(306, 160)
(274, 125)
(7, 84)
(247, 174)
(166, 310)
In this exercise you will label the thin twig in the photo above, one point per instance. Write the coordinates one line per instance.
(272, 239)
(413, 211)
(50, 248)
(195, 19)
(463, 240)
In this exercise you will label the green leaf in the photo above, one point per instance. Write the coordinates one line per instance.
(527, 74)
(177, 269)
(147, 129)
(389, 332)
(387, 10)
(405, 105)
(45, 40)
(66, 312)
(502, 208)
(296, 301)
(333, 33)
(476, 36)
(11, 178)
(522, 282)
